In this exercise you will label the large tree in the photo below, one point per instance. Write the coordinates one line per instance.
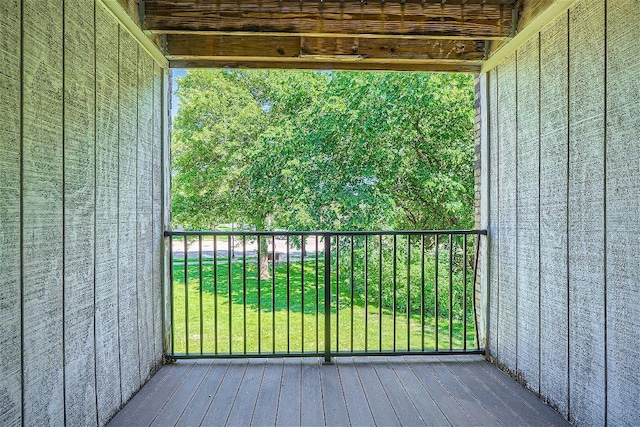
(324, 150)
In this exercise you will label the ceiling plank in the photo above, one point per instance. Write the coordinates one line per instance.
(331, 64)
(193, 46)
(448, 19)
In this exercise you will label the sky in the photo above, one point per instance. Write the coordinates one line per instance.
(175, 102)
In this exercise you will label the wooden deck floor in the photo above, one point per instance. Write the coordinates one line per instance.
(364, 391)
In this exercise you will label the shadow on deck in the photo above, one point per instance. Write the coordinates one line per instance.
(410, 390)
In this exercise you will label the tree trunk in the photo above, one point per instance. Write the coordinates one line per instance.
(264, 260)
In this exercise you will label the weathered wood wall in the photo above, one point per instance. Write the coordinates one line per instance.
(80, 214)
(564, 268)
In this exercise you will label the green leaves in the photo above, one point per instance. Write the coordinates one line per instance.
(324, 150)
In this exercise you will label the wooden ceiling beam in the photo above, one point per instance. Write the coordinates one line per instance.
(211, 46)
(332, 64)
(448, 19)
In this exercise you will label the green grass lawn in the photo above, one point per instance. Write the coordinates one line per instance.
(254, 318)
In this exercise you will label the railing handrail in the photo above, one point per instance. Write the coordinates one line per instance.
(170, 233)
(327, 256)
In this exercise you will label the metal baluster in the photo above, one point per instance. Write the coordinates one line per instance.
(244, 293)
(352, 266)
(258, 237)
(337, 293)
(171, 314)
(200, 296)
(408, 292)
(380, 295)
(229, 290)
(317, 298)
(186, 297)
(450, 291)
(464, 276)
(422, 289)
(288, 301)
(327, 298)
(273, 294)
(395, 288)
(366, 293)
(215, 293)
(436, 314)
(302, 238)
(475, 275)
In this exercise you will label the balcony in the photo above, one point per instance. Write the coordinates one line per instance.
(344, 328)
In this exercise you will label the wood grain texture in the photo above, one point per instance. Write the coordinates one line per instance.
(490, 396)
(144, 200)
(107, 161)
(527, 246)
(586, 213)
(127, 265)
(623, 212)
(554, 151)
(43, 214)
(494, 215)
(10, 238)
(471, 20)
(507, 222)
(157, 227)
(79, 208)
(328, 64)
(183, 46)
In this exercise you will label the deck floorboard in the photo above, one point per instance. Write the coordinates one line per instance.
(409, 390)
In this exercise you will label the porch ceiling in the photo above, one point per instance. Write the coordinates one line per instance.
(412, 35)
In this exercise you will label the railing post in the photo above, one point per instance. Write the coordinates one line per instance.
(327, 299)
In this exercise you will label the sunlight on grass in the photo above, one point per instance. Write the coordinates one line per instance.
(245, 317)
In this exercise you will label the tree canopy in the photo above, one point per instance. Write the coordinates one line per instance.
(323, 150)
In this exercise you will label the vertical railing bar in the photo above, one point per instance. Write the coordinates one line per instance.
(450, 291)
(302, 248)
(258, 239)
(408, 292)
(352, 266)
(215, 294)
(464, 304)
(366, 293)
(337, 294)
(186, 296)
(380, 295)
(475, 275)
(395, 287)
(317, 297)
(229, 239)
(200, 296)
(327, 298)
(273, 294)
(288, 300)
(244, 294)
(436, 314)
(422, 289)
(171, 315)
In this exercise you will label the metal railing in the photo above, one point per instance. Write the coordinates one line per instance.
(323, 294)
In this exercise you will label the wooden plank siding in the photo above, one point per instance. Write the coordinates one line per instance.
(554, 178)
(10, 212)
(79, 210)
(587, 370)
(577, 315)
(107, 186)
(622, 212)
(527, 212)
(43, 216)
(66, 179)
